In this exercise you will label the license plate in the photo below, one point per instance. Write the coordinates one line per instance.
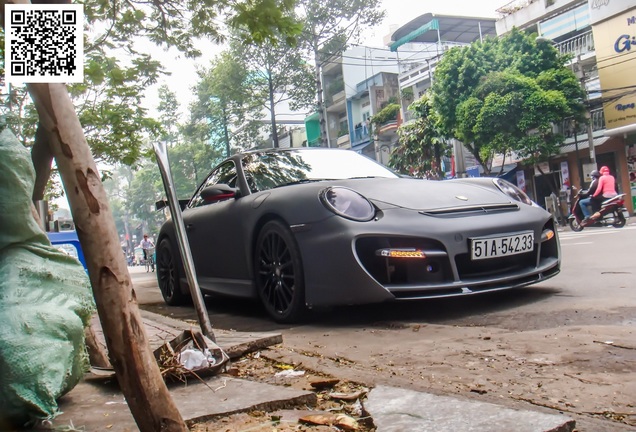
(495, 247)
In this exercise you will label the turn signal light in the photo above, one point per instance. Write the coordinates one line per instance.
(401, 253)
(547, 235)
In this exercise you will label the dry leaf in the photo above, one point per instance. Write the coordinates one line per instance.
(324, 383)
(348, 396)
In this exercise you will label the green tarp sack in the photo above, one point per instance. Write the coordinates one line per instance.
(45, 302)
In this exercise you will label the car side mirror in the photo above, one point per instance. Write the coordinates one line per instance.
(164, 204)
(218, 192)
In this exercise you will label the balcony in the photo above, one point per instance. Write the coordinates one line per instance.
(422, 72)
(598, 124)
(360, 134)
(526, 13)
(577, 46)
(343, 141)
(388, 129)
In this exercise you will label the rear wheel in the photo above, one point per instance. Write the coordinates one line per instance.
(619, 220)
(575, 225)
(169, 274)
(278, 273)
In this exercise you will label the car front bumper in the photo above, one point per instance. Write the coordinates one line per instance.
(342, 265)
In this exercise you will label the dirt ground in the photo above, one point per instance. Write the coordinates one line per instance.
(338, 406)
(588, 377)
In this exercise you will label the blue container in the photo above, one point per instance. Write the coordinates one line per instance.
(68, 243)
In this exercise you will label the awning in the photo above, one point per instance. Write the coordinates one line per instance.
(433, 28)
(358, 148)
(582, 144)
(509, 173)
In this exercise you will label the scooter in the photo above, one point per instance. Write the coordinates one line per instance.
(610, 213)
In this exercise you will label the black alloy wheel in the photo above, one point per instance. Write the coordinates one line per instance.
(278, 273)
(168, 274)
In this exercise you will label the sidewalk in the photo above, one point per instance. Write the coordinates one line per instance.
(97, 404)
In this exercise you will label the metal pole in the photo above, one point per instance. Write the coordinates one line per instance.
(590, 139)
(578, 159)
(161, 150)
(227, 135)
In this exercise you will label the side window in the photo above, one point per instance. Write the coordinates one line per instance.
(224, 174)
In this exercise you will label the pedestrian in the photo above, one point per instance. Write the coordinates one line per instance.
(145, 245)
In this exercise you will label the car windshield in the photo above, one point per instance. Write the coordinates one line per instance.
(268, 170)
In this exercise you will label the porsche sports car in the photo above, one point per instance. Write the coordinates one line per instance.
(309, 227)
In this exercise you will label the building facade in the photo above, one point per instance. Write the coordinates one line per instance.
(355, 84)
(600, 37)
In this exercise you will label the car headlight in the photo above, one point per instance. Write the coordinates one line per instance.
(347, 203)
(512, 191)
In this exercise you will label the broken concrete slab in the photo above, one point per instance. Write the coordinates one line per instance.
(95, 406)
(394, 409)
(161, 329)
(234, 343)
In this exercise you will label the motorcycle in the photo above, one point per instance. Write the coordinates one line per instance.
(610, 213)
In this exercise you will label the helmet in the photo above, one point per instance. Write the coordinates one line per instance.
(595, 174)
(605, 170)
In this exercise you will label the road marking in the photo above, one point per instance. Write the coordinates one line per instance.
(594, 231)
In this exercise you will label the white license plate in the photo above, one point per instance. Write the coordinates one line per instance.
(495, 247)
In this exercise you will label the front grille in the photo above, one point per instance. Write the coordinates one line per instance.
(433, 270)
(493, 267)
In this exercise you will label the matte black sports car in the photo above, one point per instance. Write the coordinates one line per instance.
(313, 227)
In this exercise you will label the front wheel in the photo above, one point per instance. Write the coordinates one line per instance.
(575, 225)
(169, 274)
(619, 220)
(278, 273)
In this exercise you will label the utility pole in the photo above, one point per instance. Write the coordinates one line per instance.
(578, 158)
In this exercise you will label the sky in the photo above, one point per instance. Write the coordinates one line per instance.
(399, 12)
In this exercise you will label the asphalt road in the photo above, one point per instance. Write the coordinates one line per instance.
(565, 345)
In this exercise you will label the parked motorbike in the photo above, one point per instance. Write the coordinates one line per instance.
(610, 213)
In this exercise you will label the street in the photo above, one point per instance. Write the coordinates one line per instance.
(565, 345)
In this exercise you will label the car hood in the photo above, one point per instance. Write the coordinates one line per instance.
(425, 195)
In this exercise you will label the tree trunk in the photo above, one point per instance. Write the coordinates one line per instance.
(321, 101)
(272, 109)
(96, 353)
(135, 366)
(42, 158)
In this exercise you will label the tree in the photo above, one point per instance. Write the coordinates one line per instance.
(330, 25)
(109, 101)
(504, 94)
(169, 117)
(278, 74)
(224, 102)
(420, 146)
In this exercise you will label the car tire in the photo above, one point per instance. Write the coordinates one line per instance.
(278, 273)
(169, 274)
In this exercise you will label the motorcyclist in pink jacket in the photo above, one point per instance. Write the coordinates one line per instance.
(606, 185)
(606, 188)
